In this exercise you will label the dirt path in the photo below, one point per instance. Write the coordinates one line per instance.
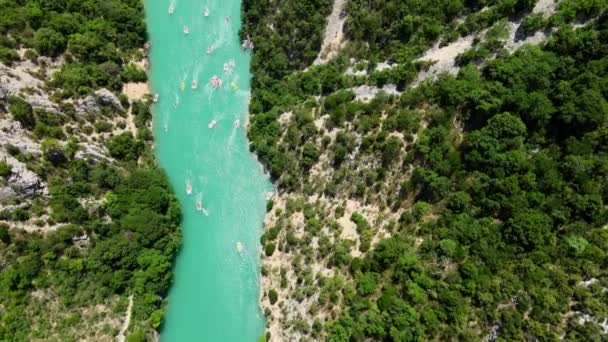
(125, 326)
(333, 33)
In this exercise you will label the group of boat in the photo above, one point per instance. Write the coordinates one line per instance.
(205, 11)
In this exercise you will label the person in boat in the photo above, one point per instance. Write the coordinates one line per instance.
(206, 12)
(186, 29)
(236, 124)
(188, 188)
(233, 86)
(166, 128)
(182, 86)
(199, 206)
(155, 99)
(239, 247)
(227, 18)
(170, 10)
(216, 82)
(210, 49)
(212, 123)
(194, 84)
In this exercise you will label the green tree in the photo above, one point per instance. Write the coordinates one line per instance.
(49, 42)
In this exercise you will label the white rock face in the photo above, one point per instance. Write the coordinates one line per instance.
(22, 181)
(14, 79)
(366, 93)
(107, 98)
(101, 97)
(12, 133)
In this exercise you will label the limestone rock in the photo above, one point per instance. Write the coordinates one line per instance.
(42, 102)
(107, 98)
(6, 192)
(92, 153)
(12, 133)
(24, 182)
(101, 97)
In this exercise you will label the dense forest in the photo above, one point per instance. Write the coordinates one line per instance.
(106, 228)
(490, 185)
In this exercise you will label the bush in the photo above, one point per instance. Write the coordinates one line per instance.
(21, 111)
(5, 169)
(273, 296)
(48, 42)
(269, 249)
(125, 147)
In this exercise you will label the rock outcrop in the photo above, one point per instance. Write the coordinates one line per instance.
(101, 97)
(22, 181)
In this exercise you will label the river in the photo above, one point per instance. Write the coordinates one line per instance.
(215, 292)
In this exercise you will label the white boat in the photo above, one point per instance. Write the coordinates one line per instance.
(194, 84)
(170, 10)
(227, 18)
(166, 128)
(205, 211)
(212, 123)
(226, 67)
(186, 29)
(188, 188)
(210, 49)
(155, 98)
(239, 247)
(236, 124)
(216, 82)
(199, 205)
(206, 12)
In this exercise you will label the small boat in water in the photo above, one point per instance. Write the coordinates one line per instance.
(212, 123)
(194, 84)
(227, 19)
(166, 128)
(210, 49)
(188, 188)
(155, 98)
(199, 205)
(186, 29)
(226, 67)
(206, 12)
(216, 82)
(170, 10)
(236, 124)
(205, 211)
(182, 86)
(233, 86)
(239, 247)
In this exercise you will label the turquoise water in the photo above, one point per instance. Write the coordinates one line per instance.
(215, 292)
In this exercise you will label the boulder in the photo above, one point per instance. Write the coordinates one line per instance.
(3, 94)
(42, 102)
(24, 182)
(101, 97)
(6, 192)
(107, 98)
(11, 132)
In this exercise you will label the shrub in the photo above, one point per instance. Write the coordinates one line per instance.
(273, 296)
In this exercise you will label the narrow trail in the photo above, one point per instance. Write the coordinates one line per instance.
(333, 33)
(125, 326)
